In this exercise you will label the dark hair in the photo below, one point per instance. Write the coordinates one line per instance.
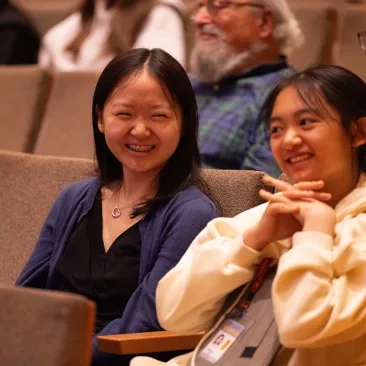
(341, 89)
(183, 167)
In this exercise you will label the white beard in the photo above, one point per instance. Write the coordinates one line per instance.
(214, 60)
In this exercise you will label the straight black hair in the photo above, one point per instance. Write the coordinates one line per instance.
(341, 89)
(183, 167)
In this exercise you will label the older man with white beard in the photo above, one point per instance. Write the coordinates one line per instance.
(239, 56)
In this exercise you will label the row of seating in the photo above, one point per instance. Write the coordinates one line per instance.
(30, 183)
(46, 114)
(325, 23)
(46, 13)
(42, 328)
(330, 31)
(330, 27)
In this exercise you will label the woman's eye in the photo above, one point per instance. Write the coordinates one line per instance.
(275, 129)
(124, 114)
(305, 121)
(160, 115)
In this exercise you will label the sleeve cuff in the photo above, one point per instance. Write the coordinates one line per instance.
(241, 255)
(313, 237)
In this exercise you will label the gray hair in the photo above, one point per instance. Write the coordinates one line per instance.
(287, 29)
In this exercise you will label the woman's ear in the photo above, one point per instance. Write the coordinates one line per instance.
(100, 122)
(358, 131)
(100, 125)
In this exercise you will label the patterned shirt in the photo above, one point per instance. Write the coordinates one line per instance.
(230, 133)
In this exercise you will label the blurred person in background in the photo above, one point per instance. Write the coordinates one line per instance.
(102, 29)
(239, 56)
(19, 41)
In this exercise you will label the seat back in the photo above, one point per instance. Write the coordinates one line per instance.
(320, 24)
(23, 93)
(45, 328)
(235, 190)
(350, 54)
(67, 124)
(29, 184)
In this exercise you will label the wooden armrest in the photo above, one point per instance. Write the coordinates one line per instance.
(139, 343)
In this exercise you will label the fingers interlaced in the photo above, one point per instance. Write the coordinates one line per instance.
(299, 191)
(275, 197)
(279, 184)
(279, 203)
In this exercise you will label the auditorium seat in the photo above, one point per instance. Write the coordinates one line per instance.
(67, 125)
(23, 93)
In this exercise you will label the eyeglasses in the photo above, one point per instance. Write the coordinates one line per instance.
(362, 40)
(213, 6)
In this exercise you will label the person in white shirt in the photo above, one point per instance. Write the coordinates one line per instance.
(315, 230)
(101, 29)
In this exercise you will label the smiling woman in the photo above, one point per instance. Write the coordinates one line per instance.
(113, 237)
(315, 230)
(320, 134)
(141, 125)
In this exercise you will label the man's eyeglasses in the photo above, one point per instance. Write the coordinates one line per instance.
(362, 40)
(213, 6)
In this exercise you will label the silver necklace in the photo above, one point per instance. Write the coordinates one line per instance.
(116, 212)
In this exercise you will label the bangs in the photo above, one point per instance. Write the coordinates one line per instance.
(314, 98)
(310, 92)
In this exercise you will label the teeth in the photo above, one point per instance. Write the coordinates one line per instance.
(140, 148)
(299, 158)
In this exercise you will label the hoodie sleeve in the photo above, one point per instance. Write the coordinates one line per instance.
(319, 293)
(191, 294)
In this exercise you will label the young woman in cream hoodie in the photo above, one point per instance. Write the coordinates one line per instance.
(316, 228)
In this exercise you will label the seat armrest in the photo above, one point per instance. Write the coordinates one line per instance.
(150, 342)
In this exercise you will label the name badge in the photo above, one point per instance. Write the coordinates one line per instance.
(223, 339)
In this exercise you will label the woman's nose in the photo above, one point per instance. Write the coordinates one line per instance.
(291, 139)
(140, 130)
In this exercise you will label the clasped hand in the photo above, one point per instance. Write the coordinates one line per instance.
(298, 207)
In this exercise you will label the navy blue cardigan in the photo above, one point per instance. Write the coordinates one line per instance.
(165, 236)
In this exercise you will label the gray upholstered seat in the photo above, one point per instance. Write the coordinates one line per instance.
(45, 328)
(29, 184)
(23, 91)
(67, 124)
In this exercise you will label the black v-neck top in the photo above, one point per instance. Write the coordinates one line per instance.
(108, 278)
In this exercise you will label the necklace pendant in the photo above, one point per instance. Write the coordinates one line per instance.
(116, 212)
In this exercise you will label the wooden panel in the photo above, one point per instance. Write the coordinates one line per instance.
(350, 54)
(138, 343)
(320, 26)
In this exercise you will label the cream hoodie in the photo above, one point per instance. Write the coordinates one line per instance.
(319, 293)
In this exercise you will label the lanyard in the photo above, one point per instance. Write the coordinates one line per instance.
(258, 280)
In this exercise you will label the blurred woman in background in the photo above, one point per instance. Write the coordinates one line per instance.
(102, 29)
